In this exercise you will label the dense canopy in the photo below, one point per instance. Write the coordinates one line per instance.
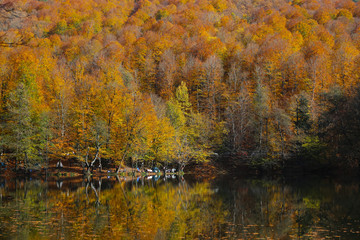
(174, 81)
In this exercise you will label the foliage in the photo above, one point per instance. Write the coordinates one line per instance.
(229, 72)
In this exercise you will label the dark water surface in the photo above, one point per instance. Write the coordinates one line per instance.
(227, 208)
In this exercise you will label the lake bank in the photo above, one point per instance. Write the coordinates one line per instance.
(202, 170)
(74, 172)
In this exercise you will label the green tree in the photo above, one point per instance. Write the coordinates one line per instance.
(301, 119)
(27, 135)
(190, 129)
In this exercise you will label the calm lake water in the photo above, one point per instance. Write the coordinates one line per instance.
(180, 208)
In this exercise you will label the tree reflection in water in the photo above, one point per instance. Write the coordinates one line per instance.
(158, 208)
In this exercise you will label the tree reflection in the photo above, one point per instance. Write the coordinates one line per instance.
(141, 208)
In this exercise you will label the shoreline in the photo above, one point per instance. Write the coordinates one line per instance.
(77, 172)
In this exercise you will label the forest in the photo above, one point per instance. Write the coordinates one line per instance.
(263, 83)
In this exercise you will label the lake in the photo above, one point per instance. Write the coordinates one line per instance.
(180, 208)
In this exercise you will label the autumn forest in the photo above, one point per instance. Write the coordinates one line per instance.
(269, 84)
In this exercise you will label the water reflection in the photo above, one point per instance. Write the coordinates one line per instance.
(174, 208)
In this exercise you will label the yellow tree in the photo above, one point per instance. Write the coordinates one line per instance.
(190, 137)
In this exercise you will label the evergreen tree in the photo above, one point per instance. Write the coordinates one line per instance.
(302, 121)
(20, 136)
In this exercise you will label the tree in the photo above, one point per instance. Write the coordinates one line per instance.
(261, 118)
(27, 133)
(301, 114)
(190, 128)
(97, 139)
(214, 73)
(167, 70)
(238, 115)
(131, 129)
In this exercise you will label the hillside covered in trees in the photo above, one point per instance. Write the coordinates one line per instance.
(170, 82)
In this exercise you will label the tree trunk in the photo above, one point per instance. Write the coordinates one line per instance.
(100, 165)
(122, 159)
(25, 162)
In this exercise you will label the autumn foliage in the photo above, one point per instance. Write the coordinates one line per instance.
(165, 82)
